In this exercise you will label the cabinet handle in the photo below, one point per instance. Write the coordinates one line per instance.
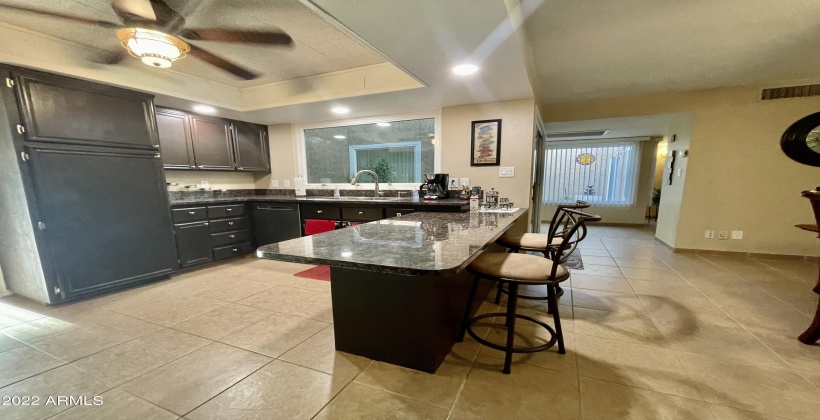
(192, 213)
(192, 166)
(228, 209)
(361, 212)
(231, 236)
(318, 212)
(230, 223)
(205, 224)
(234, 250)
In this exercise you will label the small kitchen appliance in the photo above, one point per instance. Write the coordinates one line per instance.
(435, 186)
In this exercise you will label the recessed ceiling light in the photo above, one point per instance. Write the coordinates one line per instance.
(340, 110)
(339, 136)
(383, 124)
(205, 109)
(465, 69)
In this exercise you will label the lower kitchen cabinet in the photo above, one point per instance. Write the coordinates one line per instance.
(193, 243)
(275, 222)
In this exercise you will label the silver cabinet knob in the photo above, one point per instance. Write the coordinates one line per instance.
(232, 236)
(192, 213)
(318, 211)
(235, 250)
(230, 223)
(228, 209)
(361, 212)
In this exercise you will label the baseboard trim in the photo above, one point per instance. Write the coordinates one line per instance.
(758, 255)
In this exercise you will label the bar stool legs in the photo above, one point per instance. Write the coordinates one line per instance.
(552, 303)
(465, 322)
(512, 301)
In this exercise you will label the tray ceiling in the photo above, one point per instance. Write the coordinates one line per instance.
(318, 47)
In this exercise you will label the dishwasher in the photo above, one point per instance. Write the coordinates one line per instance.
(276, 222)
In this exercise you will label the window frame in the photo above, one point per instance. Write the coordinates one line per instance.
(636, 143)
(301, 150)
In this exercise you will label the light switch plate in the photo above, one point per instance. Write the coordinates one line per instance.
(464, 182)
(274, 183)
(506, 172)
(205, 185)
(287, 183)
(737, 234)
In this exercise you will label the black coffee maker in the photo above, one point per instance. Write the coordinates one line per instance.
(435, 186)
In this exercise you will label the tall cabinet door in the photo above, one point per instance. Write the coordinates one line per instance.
(66, 110)
(104, 215)
(175, 139)
(212, 143)
(251, 146)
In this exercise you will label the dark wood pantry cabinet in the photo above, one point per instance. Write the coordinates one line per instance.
(83, 208)
(192, 141)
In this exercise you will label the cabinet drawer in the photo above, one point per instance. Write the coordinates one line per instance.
(190, 214)
(363, 214)
(398, 212)
(232, 210)
(225, 225)
(219, 239)
(232, 251)
(313, 211)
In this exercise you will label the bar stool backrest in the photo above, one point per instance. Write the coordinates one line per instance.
(575, 221)
(560, 224)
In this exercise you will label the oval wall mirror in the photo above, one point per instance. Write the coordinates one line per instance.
(801, 141)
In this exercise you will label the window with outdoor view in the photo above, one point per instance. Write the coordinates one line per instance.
(603, 174)
(397, 151)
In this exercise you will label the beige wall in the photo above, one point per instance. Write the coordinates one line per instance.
(736, 177)
(282, 145)
(517, 131)
(3, 290)
(657, 180)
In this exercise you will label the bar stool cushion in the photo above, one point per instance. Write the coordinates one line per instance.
(523, 267)
(526, 240)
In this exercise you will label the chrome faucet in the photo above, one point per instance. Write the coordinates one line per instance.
(376, 192)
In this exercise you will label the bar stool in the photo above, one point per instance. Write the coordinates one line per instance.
(516, 269)
(543, 242)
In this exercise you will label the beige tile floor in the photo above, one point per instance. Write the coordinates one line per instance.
(650, 334)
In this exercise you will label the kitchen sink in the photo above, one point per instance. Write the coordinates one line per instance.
(358, 198)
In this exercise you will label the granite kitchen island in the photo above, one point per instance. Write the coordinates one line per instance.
(398, 286)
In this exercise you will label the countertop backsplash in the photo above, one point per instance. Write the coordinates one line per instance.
(180, 195)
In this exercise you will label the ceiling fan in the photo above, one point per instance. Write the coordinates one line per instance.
(152, 31)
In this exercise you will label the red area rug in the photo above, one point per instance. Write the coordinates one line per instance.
(320, 272)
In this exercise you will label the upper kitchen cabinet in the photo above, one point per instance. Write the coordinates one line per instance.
(58, 109)
(251, 147)
(175, 139)
(212, 143)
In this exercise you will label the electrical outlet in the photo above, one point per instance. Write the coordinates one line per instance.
(205, 185)
(723, 235)
(287, 183)
(710, 234)
(737, 234)
(464, 182)
(274, 183)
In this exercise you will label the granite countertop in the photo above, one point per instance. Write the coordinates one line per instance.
(415, 244)
(315, 199)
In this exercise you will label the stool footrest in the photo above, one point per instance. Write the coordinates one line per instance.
(548, 344)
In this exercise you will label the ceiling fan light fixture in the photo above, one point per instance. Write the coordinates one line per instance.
(154, 48)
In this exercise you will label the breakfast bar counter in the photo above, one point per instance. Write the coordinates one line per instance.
(398, 286)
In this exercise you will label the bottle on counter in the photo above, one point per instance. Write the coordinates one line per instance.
(474, 203)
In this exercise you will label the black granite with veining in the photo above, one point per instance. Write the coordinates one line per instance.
(414, 244)
(189, 199)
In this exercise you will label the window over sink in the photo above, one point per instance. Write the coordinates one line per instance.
(398, 150)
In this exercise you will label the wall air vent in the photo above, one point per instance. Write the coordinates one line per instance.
(790, 92)
(576, 134)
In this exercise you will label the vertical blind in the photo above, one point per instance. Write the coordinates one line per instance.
(600, 173)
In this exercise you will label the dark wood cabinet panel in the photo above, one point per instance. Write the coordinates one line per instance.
(212, 143)
(251, 147)
(175, 139)
(275, 222)
(65, 110)
(225, 225)
(189, 214)
(230, 210)
(104, 214)
(232, 251)
(362, 214)
(193, 243)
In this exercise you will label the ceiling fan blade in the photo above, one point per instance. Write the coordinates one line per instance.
(72, 18)
(231, 35)
(134, 9)
(222, 63)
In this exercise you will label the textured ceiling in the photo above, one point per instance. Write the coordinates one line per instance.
(318, 48)
(587, 49)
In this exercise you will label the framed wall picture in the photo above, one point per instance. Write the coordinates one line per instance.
(485, 149)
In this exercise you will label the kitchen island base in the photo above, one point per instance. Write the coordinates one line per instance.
(405, 320)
